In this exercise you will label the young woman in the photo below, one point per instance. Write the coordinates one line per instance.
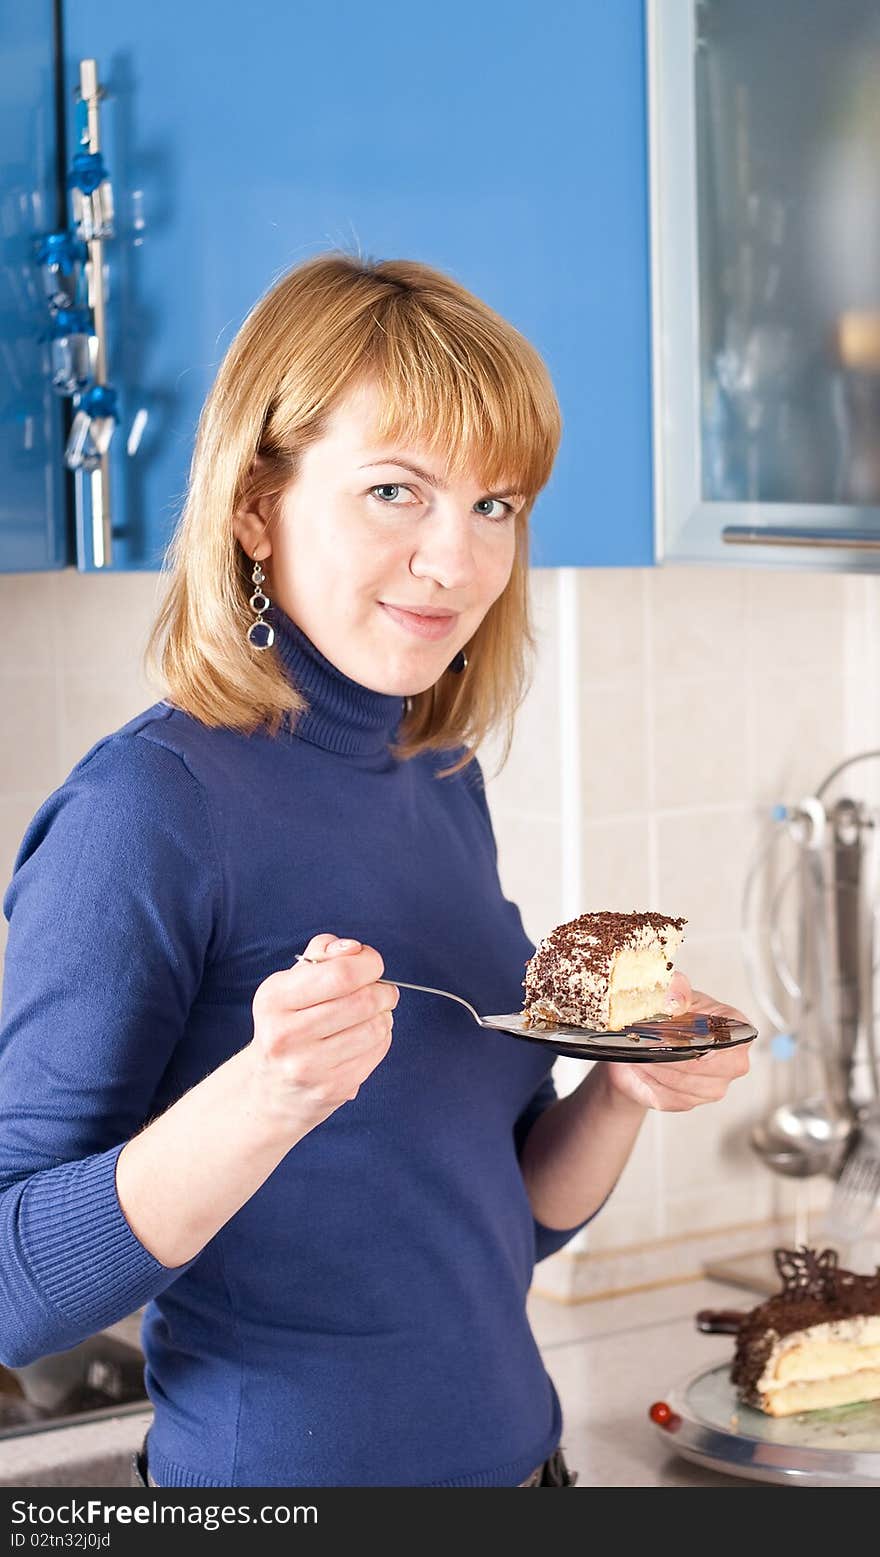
(334, 1233)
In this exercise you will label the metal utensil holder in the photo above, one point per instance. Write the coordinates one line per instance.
(825, 1016)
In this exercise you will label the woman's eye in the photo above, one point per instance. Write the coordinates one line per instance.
(506, 508)
(383, 491)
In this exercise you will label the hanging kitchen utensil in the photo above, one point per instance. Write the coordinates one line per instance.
(803, 1136)
(857, 1189)
(840, 974)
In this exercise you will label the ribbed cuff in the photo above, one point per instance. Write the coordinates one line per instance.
(83, 1255)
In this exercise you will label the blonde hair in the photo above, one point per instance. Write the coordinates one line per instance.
(454, 377)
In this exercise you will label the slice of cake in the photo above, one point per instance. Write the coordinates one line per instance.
(814, 1344)
(602, 971)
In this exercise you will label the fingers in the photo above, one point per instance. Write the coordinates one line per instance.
(706, 1005)
(720, 1063)
(327, 945)
(704, 1079)
(635, 1084)
(723, 1062)
(345, 1047)
(646, 1085)
(675, 1086)
(320, 1029)
(343, 967)
(314, 1065)
(681, 997)
(351, 1011)
(329, 1017)
(681, 1084)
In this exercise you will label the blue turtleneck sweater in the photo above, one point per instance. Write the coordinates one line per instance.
(362, 1319)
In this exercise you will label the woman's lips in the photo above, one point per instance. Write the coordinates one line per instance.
(432, 627)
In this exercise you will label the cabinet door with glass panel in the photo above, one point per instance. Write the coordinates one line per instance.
(33, 537)
(765, 172)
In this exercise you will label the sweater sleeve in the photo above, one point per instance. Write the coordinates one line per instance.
(113, 908)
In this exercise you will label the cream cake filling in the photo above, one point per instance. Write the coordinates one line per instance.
(630, 1005)
(637, 984)
(828, 1364)
(822, 1394)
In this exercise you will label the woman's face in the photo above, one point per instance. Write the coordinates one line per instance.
(388, 572)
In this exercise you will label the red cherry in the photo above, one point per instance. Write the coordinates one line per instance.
(660, 1413)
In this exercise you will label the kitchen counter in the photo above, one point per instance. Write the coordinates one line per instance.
(608, 1359)
(611, 1359)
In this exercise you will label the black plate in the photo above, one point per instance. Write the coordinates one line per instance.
(663, 1038)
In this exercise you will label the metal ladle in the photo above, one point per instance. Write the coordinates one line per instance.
(805, 1137)
(800, 1139)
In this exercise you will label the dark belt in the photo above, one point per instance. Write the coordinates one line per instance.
(553, 1473)
(140, 1470)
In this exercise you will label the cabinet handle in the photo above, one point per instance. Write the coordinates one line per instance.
(783, 535)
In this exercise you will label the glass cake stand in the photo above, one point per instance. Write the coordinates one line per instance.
(709, 1425)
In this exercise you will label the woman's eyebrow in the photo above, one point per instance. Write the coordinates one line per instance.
(425, 475)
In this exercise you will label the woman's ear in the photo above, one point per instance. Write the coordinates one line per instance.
(251, 532)
(254, 515)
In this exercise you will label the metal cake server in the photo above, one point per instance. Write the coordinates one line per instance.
(662, 1038)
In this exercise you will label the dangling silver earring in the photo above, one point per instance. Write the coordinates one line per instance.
(459, 664)
(260, 634)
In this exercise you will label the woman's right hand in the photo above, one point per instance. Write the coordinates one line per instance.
(320, 1029)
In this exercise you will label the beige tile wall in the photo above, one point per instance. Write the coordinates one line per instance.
(699, 695)
(702, 694)
(71, 646)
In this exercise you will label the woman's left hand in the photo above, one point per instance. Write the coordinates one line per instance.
(674, 1086)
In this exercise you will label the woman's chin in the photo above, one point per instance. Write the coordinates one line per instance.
(407, 679)
(406, 687)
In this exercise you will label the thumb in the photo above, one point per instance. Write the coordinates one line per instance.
(678, 995)
(323, 946)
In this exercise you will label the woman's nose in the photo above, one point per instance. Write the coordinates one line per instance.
(445, 554)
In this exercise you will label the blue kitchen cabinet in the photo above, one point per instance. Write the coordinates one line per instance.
(32, 508)
(502, 142)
